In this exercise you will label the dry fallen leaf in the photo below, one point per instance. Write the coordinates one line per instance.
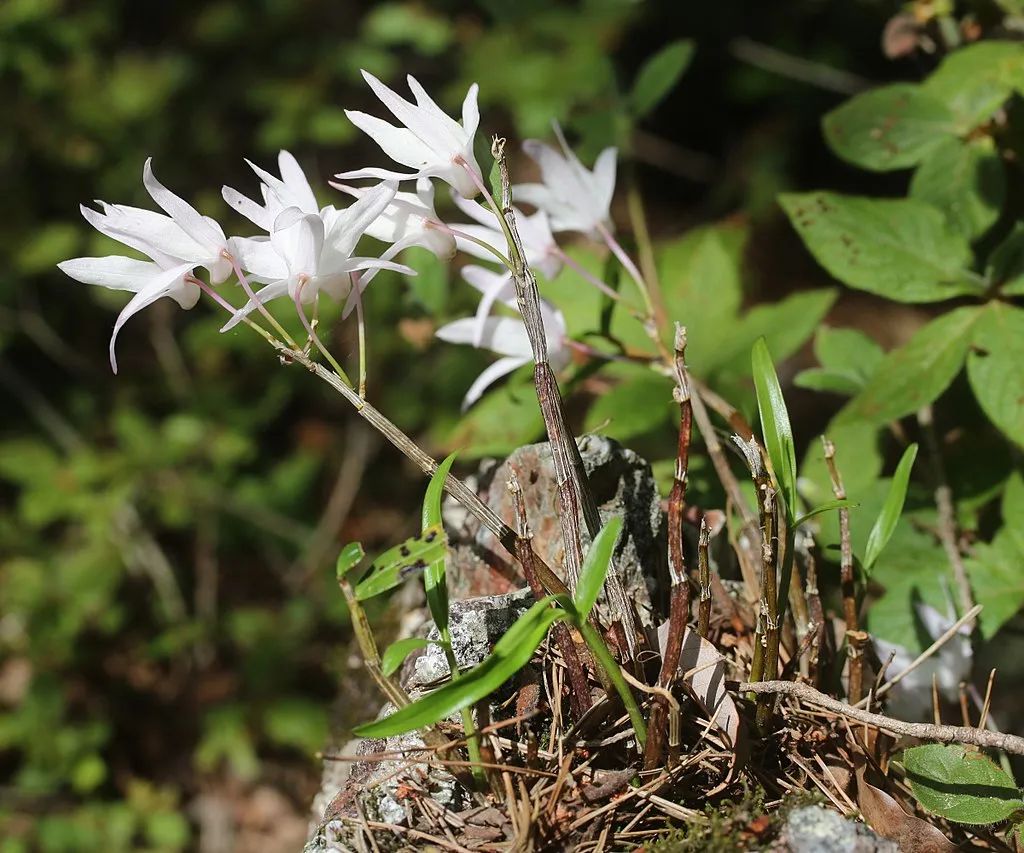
(887, 817)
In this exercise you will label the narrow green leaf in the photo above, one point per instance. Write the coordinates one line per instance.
(659, 75)
(828, 507)
(964, 786)
(395, 654)
(511, 653)
(918, 372)
(350, 557)
(396, 564)
(995, 367)
(595, 566)
(434, 578)
(889, 127)
(775, 427)
(901, 249)
(889, 517)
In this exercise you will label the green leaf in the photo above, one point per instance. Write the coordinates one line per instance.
(511, 653)
(995, 367)
(435, 581)
(775, 427)
(845, 503)
(997, 579)
(429, 287)
(966, 181)
(848, 359)
(396, 564)
(961, 785)
(395, 654)
(595, 566)
(977, 80)
(506, 418)
(631, 408)
(900, 249)
(891, 127)
(889, 517)
(1013, 510)
(1005, 268)
(658, 75)
(350, 557)
(918, 372)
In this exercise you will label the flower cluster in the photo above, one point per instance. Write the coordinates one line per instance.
(305, 250)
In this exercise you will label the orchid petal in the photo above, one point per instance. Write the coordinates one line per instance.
(209, 236)
(153, 290)
(263, 295)
(114, 271)
(489, 375)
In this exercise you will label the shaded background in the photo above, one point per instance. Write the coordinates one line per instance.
(171, 643)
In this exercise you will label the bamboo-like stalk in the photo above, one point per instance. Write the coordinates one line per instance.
(847, 580)
(704, 578)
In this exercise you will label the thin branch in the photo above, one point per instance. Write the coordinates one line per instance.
(704, 577)
(925, 731)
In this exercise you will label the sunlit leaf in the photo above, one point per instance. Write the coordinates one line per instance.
(395, 654)
(775, 426)
(392, 567)
(995, 367)
(511, 653)
(889, 517)
(595, 566)
(961, 785)
(434, 579)
(350, 557)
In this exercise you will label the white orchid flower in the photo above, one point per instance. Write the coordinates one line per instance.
(574, 198)
(431, 143)
(542, 252)
(176, 243)
(911, 698)
(312, 253)
(292, 189)
(507, 337)
(410, 220)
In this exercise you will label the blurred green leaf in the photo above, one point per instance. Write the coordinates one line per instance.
(918, 372)
(900, 249)
(1005, 267)
(659, 75)
(826, 507)
(961, 785)
(891, 127)
(350, 557)
(595, 567)
(976, 80)
(511, 653)
(503, 420)
(848, 359)
(966, 181)
(892, 509)
(995, 367)
(631, 408)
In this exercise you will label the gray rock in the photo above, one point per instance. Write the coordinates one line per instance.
(814, 829)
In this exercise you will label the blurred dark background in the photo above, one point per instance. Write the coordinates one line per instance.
(171, 644)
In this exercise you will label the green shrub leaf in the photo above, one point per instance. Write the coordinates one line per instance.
(595, 566)
(511, 653)
(900, 249)
(848, 359)
(350, 557)
(918, 372)
(393, 566)
(891, 127)
(889, 517)
(995, 367)
(966, 181)
(1005, 267)
(395, 654)
(659, 75)
(960, 785)
(631, 408)
(977, 80)
(775, 426)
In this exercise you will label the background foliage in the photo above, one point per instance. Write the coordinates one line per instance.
(170, 637)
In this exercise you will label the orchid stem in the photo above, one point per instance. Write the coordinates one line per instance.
(244, 282)
(316, 338)
(361, 326)
(588, 276)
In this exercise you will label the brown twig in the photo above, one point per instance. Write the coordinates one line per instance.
(925, 731)
(854, 648)
(704, 578)
(947, 529)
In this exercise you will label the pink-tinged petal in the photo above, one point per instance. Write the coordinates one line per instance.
(492, 238)
(263, 295)
(296, 181)
(536, 194)
(556, 172)
(210, 237)
(114, 271)
(491, 374)
(471, 111)
(257, 214)
(399, 143)
(603, 180)
(484, 280)
(153, 290)
(476, 211)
